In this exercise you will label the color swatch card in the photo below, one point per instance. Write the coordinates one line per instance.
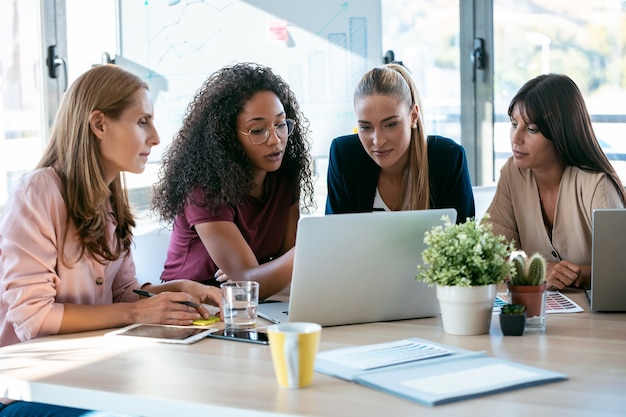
(556, 302)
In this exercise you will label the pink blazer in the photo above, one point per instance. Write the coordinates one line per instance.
(34, 283)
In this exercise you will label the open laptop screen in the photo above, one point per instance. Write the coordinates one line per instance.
(608, 260)
(358, 268)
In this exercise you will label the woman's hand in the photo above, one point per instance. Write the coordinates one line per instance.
(220, 276)
(167, 308)
(191, 291)
(203, 293)
(563, 274)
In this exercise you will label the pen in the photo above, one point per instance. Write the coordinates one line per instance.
(149, 294)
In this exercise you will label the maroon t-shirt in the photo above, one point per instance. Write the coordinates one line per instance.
(263, 224)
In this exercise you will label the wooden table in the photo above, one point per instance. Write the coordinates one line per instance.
(223, 378)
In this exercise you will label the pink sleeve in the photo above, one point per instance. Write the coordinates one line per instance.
(29, 236)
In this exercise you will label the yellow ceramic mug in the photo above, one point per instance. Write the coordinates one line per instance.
(294, 346)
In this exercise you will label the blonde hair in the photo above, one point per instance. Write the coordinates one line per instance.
(73, 151)
(394, 80)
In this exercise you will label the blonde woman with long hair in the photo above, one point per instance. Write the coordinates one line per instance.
(66, 231)
(390, 164)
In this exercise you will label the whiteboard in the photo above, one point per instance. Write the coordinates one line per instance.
(321, 48)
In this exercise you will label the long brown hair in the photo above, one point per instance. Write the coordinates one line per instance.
(74, 153)
(394, 80)
(556, 106)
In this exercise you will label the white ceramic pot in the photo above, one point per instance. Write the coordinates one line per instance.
(466, 310)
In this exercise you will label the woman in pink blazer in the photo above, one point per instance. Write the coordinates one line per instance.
(66, 231)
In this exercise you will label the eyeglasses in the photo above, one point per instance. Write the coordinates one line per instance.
(259, 135)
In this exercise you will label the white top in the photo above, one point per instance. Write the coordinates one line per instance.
(379, 204)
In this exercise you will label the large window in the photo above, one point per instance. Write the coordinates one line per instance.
(22, 114)
(424, 36)
(585, 40)
(29, 95)
(321, 48)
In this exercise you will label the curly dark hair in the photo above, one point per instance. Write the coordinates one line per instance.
(207, 154)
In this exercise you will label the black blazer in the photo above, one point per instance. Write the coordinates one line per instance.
(353, 175)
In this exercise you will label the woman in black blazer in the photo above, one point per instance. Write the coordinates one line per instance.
(391, 164)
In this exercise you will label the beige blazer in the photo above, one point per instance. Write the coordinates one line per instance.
(516, 212)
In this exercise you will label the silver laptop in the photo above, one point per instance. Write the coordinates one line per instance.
(359, 268)
(608, 261)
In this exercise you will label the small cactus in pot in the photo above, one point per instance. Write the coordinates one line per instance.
(527, 286)
(528, 271)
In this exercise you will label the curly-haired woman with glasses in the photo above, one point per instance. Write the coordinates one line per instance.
(232, 181)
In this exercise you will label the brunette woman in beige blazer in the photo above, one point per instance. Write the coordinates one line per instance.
(557, 175)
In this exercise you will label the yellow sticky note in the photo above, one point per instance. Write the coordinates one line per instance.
(206, 322)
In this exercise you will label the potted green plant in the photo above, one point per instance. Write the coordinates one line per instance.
(513, 319)
(465, 261)
(527, 286)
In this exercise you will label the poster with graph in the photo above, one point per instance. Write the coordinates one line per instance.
(321, 48)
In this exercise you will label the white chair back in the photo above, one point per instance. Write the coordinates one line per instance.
(149, 253)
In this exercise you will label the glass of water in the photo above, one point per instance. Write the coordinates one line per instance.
(240, 300)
